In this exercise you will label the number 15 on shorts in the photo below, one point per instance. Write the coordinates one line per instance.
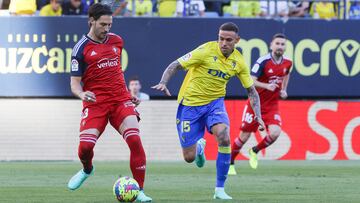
(185, 126)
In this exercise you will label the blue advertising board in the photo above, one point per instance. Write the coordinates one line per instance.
(35, 52)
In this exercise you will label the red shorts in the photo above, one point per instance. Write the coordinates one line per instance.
(97, 116)
(248, 123)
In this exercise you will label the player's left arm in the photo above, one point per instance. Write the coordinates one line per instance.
(283, 91)
(248, 82)
(169, 72)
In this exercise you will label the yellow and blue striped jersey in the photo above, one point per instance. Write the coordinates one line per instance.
(208, 72)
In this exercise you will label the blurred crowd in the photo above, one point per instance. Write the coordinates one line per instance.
(331, 9)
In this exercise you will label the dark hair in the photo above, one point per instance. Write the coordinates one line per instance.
(97, 10)
(230, 26)
(278, 35)
(134, 78)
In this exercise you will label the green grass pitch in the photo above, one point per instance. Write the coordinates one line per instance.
(273, 181)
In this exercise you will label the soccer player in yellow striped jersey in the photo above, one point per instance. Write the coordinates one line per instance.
(201, 99)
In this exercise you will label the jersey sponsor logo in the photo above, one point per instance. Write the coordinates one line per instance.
(186, 57)
(74, 65)
(255, 68)
(108, 63)
(218, 73)
(93, 53)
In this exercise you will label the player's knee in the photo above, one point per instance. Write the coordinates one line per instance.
(225, 141)
(244, 136)
(275, 134)
(189, 156)
(223, 137)
(189, 159)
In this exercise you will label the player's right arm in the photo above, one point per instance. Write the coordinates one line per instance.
(190, 59)
(77, 90)
(77, 69)
(169, 72)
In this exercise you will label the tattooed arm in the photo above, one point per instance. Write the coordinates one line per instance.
(169, 72)
(255, 105)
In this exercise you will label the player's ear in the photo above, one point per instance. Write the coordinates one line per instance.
(91, 21)
(237, 39)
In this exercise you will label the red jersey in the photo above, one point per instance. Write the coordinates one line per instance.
(99, 66)
(268, 71)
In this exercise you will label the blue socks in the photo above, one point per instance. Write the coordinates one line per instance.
(222, 165)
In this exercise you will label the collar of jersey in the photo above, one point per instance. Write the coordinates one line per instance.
(106, 39)
(282, 58)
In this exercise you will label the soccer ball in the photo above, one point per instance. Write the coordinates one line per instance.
(126, 189)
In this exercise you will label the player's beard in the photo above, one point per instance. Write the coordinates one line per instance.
(226, 51)
(279, 52)
(102, 35)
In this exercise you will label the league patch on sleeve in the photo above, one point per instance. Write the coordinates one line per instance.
(255, 68)
(74, 65)
(186, 57)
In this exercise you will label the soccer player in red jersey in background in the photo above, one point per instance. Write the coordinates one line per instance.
(98, 80)
(271, 77)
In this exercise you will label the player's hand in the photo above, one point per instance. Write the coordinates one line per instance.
(135, 100)
(271, 86)
(261, 123)
(87, 96)
(163, 88)
(283, 94)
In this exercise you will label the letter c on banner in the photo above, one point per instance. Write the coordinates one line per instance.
(298, 57)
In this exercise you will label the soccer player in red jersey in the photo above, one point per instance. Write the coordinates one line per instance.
(98, 80)
(271, 77)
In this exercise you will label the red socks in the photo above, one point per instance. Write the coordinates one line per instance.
(264, 143)
(235, 149)
(86, 152)
(137, 155)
